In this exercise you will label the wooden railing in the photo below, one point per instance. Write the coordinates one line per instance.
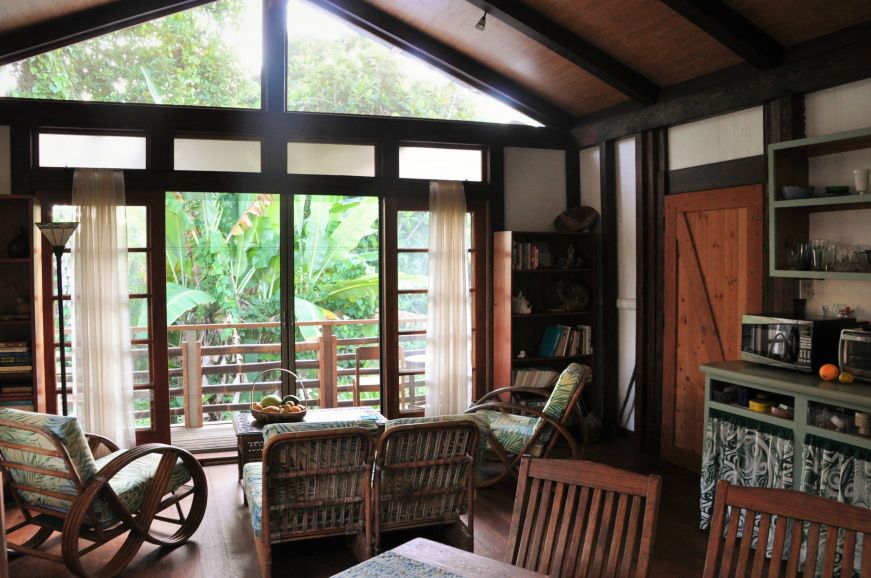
(327, 388)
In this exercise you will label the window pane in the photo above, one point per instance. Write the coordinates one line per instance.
(413, 269)
(139, 318)
(412, 229)
(334, 67)
(412, 306)
(330, 159)
(91, 151)
(137, 228)
(143, 408)
(141, 363)
(440, 163)
(137, 276)
(216, 155)
(205, 56)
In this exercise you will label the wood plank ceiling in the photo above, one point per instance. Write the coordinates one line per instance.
(557, 60)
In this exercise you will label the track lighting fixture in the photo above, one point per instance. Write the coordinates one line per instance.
(482, 23)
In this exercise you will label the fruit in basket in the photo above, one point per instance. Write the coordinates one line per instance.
(270, 400)
(829, 372)
(290, 400)
(296, 409)
(845, 377)
(271, 409)
(256, 406)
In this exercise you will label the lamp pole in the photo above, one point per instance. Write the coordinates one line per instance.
(58, 234)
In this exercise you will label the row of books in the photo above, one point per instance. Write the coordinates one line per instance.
(535, 377)
(566, 341)
(529, 256)
(15, 357)
(23, 405)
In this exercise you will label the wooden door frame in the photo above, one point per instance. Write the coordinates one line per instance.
(751, 197)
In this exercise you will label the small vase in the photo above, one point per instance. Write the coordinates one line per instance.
(18, 245)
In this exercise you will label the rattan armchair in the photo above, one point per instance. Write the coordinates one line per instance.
(59, 486)
(517, 430)
(425, 476)
(313, 482)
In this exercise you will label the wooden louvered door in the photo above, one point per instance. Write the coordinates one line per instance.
(713, 275)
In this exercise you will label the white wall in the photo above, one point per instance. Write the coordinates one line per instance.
(5, 162)
(720, 138)
(626, 258)
(591, 184)
(845, 107)
(535, 188)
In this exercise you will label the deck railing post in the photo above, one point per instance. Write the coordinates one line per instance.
(192, 379)
(327, 366)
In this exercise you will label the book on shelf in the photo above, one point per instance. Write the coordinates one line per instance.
(566, 341)
(12, 389)
(10, 348)
(24, 404)
(535, 377)
(529, 256)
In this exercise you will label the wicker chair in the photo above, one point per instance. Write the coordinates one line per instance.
(516, 430)
(313, 482)
(425, 476)
(60, 487)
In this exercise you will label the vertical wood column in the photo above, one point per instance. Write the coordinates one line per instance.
(605, 372)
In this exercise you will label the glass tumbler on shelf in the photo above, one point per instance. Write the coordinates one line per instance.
(819, 254)
(804, 256)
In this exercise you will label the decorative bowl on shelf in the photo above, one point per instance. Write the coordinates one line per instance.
(791, 192)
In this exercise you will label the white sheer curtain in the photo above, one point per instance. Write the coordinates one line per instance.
(448, 370)
(103, 367)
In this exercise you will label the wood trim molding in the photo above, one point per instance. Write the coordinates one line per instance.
(572, 47)
(608, 300)
(734, 173)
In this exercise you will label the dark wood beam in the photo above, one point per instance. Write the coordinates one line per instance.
(572, 47)
(449, 60)
(63, 31)
(828, 61)
(731, 29)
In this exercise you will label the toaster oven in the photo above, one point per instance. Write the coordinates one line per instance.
(854, 353)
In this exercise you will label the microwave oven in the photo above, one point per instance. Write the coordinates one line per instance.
(854, 354)
(792, 343)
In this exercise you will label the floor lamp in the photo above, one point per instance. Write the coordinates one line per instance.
(58, 234)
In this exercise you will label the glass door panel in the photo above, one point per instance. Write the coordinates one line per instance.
(336, 251)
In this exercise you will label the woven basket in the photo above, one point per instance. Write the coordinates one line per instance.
(267, 417)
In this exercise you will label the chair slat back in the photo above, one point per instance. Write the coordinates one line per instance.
(425, 471)
(46, 457)
(316, 479)
(761, 532)
(579, 518)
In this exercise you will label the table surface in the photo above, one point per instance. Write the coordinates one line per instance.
(442, 560)
(245, 424)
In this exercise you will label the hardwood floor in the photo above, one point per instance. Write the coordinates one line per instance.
(224, 544)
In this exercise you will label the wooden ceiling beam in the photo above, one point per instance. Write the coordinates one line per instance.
(449, 60)
(731, 29)
(22, 43)
(572, 47)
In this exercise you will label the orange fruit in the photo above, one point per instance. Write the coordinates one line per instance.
(846, 377)
(829, 372)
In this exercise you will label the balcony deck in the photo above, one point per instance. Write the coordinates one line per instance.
(212, 437)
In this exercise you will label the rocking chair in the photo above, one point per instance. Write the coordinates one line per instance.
(518, 430)
(59, 486)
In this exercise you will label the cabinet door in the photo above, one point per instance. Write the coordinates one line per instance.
(713, 275)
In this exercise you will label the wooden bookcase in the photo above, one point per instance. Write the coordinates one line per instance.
(21, 302)
(513, 333)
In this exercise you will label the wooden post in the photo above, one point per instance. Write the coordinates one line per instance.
(327, 366)
(192, 380)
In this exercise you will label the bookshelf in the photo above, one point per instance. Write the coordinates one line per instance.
(537, 264)
(21, 352)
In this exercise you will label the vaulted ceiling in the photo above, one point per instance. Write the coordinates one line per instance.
(563, 62)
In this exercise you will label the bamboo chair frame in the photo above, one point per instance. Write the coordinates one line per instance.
(510, 463)
(277, 516)
(783, 512)
(575, 518)
(411, 491)
(82, 520)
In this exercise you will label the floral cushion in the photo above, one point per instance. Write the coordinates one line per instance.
(572, 377)
(252, 485)
(513, 431)
(67, 429)
(275, 429)
(131, 483)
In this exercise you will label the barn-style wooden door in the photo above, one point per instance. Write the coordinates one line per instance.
(713, 275)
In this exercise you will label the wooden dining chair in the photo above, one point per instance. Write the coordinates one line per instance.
(782, 521)
(574, 518)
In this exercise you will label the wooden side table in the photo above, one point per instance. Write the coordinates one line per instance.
(249, 432)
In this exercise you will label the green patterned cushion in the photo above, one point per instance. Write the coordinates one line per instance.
(67, 429)
(252, 484)
(132, 482)
(275, 429)
(513, 431)
(572, 377)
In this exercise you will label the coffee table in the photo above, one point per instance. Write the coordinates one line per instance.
(249, 432)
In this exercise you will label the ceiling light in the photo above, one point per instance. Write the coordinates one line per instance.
(482, 23)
